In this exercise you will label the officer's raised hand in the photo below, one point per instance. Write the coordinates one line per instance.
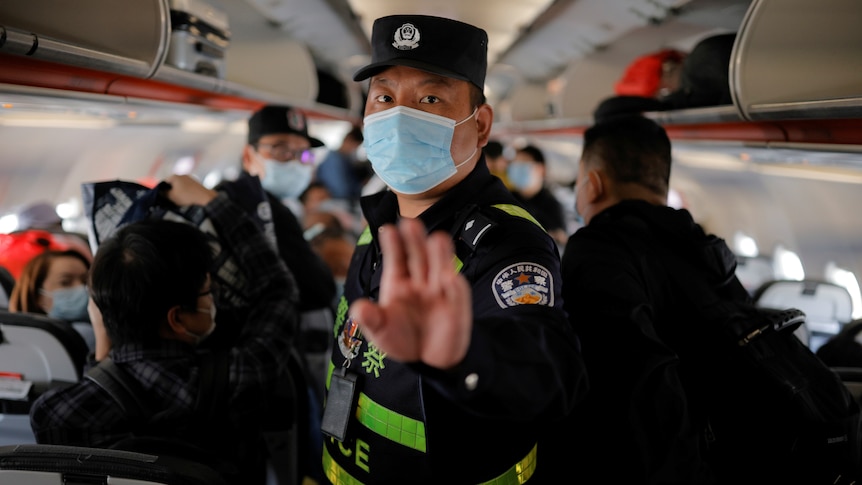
(424, 308)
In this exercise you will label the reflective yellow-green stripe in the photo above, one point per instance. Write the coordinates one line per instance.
(517, 475)
(389, 424)
(365, 237)
(514, 210)
(511, 209)
(336, 474)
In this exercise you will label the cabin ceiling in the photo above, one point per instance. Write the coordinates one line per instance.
(525, 43)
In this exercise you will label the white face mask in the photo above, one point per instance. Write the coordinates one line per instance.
(212, 313)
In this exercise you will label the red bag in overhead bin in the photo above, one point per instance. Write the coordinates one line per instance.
(648, 76)
(18, 248)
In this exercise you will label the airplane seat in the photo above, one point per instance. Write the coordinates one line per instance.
(36, 353)
(40, 348)
(7, 282)
(56, 464)
(852, 378)
(753, 272)
(827, 306)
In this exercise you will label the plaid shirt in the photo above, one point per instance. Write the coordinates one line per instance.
(85, 415)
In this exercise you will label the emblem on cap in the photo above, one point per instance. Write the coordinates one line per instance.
(406, 37)
(295, 120)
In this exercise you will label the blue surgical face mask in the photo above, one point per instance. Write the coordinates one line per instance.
(410, 150)
(579, 218)
(286, 180)
(69, 304)
(521, 175)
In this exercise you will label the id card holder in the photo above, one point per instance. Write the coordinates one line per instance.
(339, 404)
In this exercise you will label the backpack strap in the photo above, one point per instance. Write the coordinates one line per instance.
(126, 391)
(121, 387)
(213, 383)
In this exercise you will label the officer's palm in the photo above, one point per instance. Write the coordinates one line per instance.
(424, 309)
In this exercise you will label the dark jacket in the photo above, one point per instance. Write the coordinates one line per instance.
(416, 424)
(546, 208)
(169, 371)
(315, 280)
(637, 423)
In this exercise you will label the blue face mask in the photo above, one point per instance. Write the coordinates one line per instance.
(410, 150)
(286, 180)
(579, 218)
(520, 175)
(69, 304)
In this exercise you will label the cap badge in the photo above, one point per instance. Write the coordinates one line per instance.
(406, 37)
(295, 120)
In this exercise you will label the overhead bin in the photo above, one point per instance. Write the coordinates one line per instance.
(129, 37)
(149, 50)
(799, 59)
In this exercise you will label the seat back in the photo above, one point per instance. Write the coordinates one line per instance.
(754, 272)
(45, 353)
(55, 464)
(43, 350)
(827, 306)
(7, 283)
(852, 378)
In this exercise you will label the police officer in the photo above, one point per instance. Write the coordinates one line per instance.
(453, 355)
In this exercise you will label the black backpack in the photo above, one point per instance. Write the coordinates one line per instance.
(770, 410)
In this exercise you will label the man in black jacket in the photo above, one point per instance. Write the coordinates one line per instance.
(278, 152)
(637, 419)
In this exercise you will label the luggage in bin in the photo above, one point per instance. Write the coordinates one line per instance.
(199, 37)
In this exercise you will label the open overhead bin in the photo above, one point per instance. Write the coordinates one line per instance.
(178, 51)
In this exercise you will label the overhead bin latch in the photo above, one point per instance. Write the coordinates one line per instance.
(17, 42)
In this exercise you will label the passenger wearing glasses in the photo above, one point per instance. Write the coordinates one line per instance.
(278, 152)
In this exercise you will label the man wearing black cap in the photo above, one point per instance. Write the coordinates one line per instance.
(278, 153)
(453, 355)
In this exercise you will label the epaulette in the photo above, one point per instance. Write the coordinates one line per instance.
(473, 225)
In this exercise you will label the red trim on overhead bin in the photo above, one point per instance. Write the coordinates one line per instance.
(157, 90)
(825, 131)
(32, 72)
(841, 132)
(733, 131)
(38, 73)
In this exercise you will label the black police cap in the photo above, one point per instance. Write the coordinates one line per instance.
(434, 44)
(274, 119)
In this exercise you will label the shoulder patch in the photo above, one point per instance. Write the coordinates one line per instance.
(523, 284)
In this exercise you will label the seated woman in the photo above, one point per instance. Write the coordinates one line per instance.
(53, 283)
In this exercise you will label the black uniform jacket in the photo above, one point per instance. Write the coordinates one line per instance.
(523, 357)
(636, 425)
